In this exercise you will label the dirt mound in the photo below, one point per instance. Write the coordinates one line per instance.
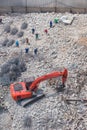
(82, 41)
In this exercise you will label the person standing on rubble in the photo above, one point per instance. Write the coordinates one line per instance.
(35, 51)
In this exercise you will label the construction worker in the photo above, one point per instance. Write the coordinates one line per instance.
(35, 51)
(33, 30)
(46, 31)
(37, 36)
(17, 43)
(26, 50)
(0, 20)
(51, 24)
(27, 41)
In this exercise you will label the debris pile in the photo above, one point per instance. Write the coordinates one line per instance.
(4, 43)
(14, 31)
(24, 25)
(7, 29)
(8, 42)
(20, 34)
(81, 80)
(11, 70)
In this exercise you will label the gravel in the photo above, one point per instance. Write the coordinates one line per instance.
(60, 48)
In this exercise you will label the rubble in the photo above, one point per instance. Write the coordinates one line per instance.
(60, 49)
(67, 19)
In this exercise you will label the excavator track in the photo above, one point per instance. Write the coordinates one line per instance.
(26, 102)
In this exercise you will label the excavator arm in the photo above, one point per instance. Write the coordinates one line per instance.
(35, 83)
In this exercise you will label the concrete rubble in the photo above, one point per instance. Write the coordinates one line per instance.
(67, 19)
(58, 49)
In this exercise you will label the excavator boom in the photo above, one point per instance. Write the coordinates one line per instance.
(49, 76)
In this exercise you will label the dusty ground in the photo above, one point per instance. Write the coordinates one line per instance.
(64, 46)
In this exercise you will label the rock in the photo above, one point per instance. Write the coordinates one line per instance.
(5, 68)
(16, 69)
(67, 20)
(5, 80)
(54, 57)
(4, 43)
(13, 67)
(24, 25)
(53, 53)
(14, 31)
(7, 28)
(12, 76)
(20, 34)
(10, 43)
(1, 74)
(27, 122)
(22, 66)
(14, 61)
(14, 125)
(23, 40)
(2, 109)
(0, 20)
(10, 22)
(1, 97)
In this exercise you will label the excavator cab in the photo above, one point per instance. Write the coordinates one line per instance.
(28, 82)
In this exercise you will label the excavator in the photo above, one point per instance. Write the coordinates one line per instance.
(28, 88)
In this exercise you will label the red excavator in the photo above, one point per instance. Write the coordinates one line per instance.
(28, 89)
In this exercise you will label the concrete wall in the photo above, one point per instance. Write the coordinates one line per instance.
(43, 5)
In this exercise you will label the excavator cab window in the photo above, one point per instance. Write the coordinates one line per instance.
(18, 87)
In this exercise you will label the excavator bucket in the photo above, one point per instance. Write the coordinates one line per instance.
(60, 89)
(29, 101)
